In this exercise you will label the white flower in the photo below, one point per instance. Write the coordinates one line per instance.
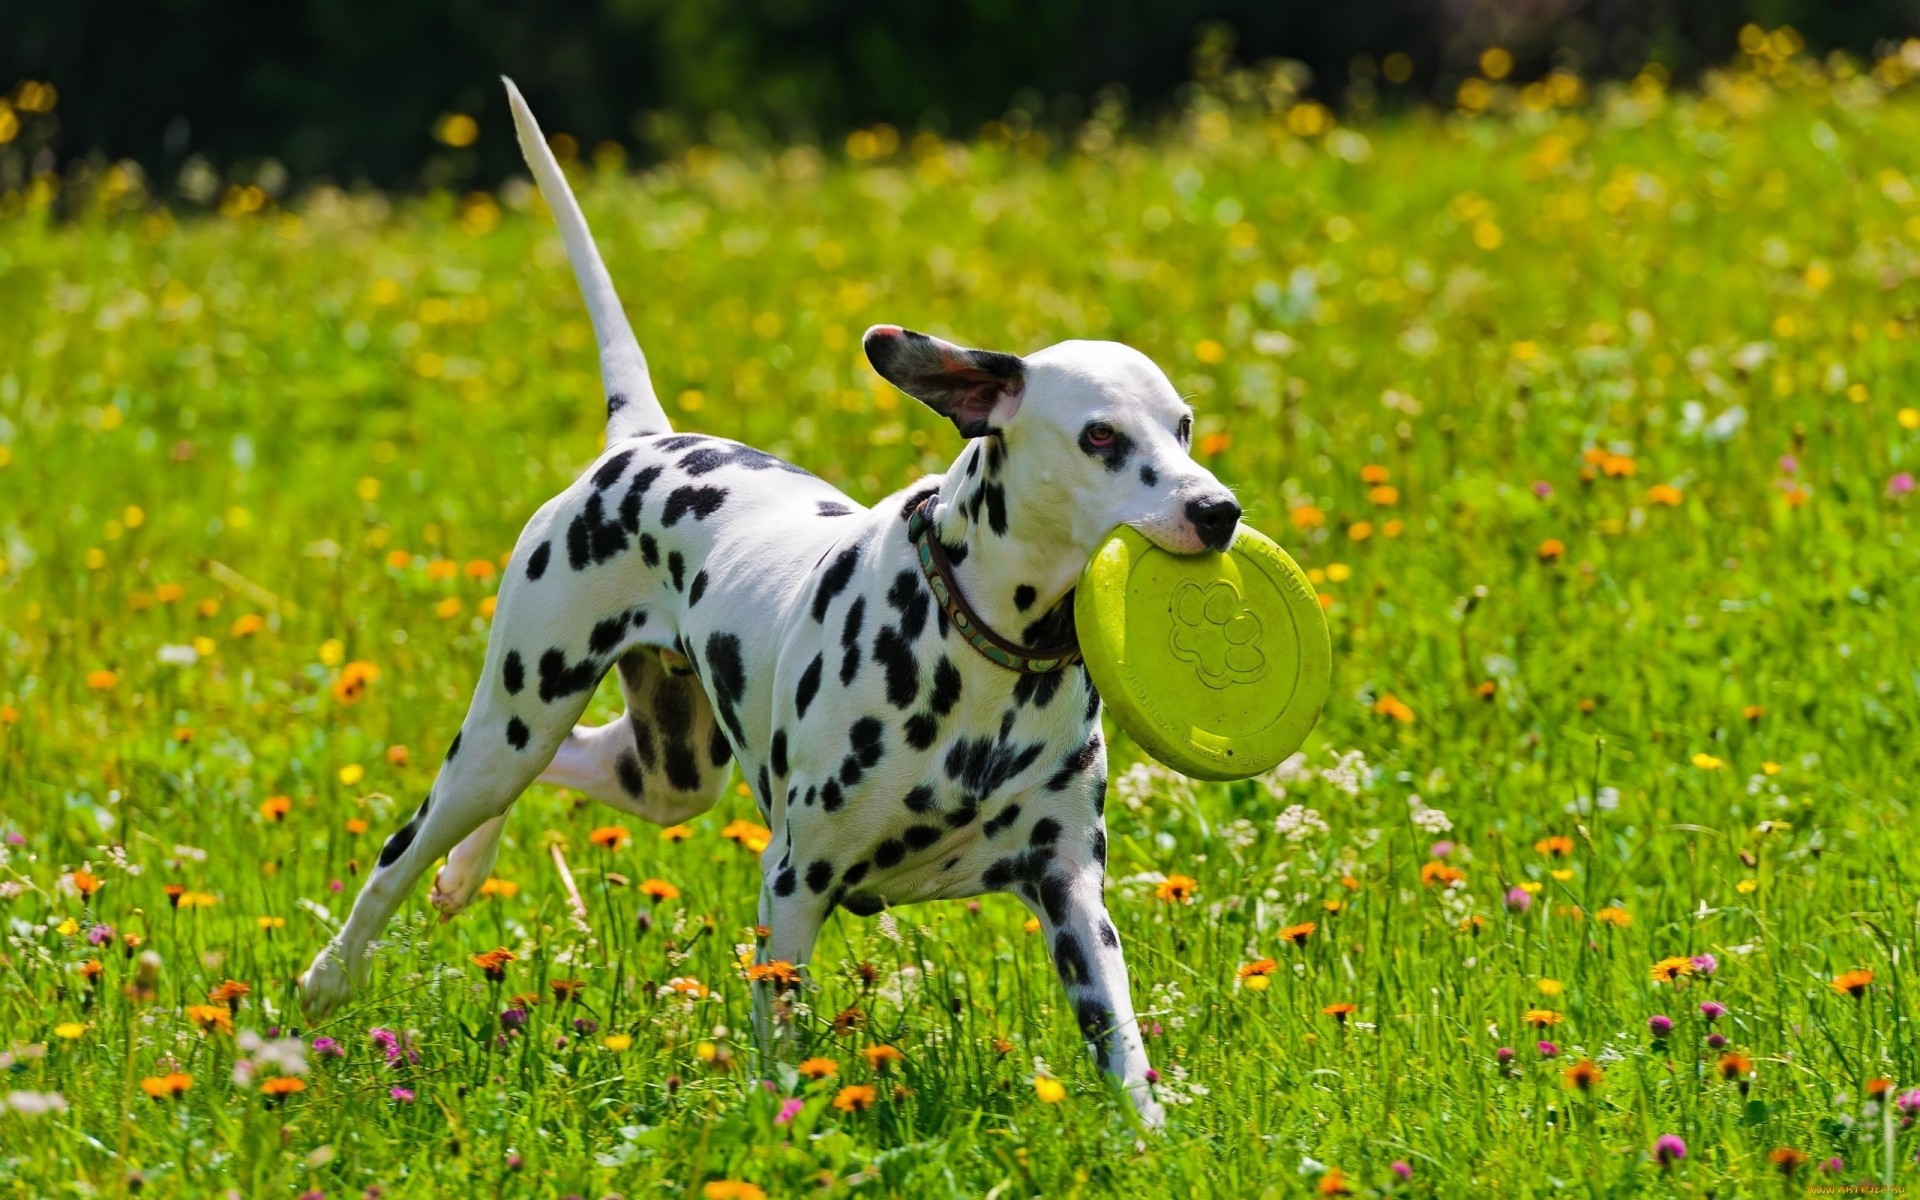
(178, 656)
(1298, 823)
(34, 1104)
(1430, 820)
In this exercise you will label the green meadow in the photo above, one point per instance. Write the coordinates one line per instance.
(1590, 409)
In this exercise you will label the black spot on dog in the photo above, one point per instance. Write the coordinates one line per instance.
(608, 633)
(537, 561)
(919, 800)
(1098, 844)
(397, 844)
(591, 538)
(513, 673)
(850, 640)
(946, 686)
(1070, 960)
(1036, 689)
(676, 569)
(867, 736)
(854, 874)
(893, 652)
(631, 778)
(732, 454)
(649, 550)
(673, 702)
(1148, 475)
(702, 502)
(1054, 629)
(729, 680)
(973, 462)
(833, 508)
(889, 853)
(453, 748)
(643, 740)
(610, 471)
(819, 876)
(1075, 763)
(921, 729)
(834, 580)
(1053, 895)
(831, 797)
(919, 837)
(674, 443)
(809, 687)
(1045, 832)
(718, 752)
(518, 733)
(630, 503)
(1001, 820)
(912, 601)
(863, 906)
(557, 679)
(615, 402)
(996, 497)
(777, 755)
(698, 589)
(982, 765)
(766, 790)
(963, 816)
(1096, 1024)
(1024, 596)
(783, 883)
(1093, 694)
(914, 500)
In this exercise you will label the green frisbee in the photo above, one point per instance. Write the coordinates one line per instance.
(1216, 664)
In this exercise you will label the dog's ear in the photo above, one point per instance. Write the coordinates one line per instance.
(968, 387)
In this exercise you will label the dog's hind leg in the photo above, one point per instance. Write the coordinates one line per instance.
(664, 760)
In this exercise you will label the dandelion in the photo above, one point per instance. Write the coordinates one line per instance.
(619, 1043)
(1669, 969)
(166, 1087)
(1667, 1150)
(1707, 762)
(610, 837)
(819, 1068)
(1177, 889)
(658, 890)
(1049, 1089)
(70, 1031)
(1583, 1076)
(1550, 987)
(494, 963)
(855, 1098)
(1852, 983)
(1298, 934)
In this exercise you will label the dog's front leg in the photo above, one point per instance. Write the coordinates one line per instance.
(1086, 952)
(793, 925)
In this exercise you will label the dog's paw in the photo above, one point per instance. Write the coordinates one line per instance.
(458, 882)
(1152, 1115)
(327, 985)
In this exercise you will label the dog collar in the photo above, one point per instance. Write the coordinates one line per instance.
(946, 591)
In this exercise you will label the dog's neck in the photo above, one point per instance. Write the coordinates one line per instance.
(1005, 543)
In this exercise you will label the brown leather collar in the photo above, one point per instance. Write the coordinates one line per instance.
(992, 646)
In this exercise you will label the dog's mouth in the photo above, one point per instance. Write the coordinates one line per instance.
(1174, 536)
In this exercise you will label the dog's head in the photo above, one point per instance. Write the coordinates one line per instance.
(1092, 431)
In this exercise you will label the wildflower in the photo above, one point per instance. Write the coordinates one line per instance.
(879, 1058)
(1504, 1055)
(1518, 900)
(102, 680)
(782, 975)
(70, 1031)
(1584, 1076)
(356, 826)
(282, 1085)
(619, 1043)
(350, 774)
(1852, 983)
(733, 1189)
(494, 963)
(276, 808)
(1550, 987)
(1557, 846)
(1705, 964)
(1787, 1159)
(1547, 1049)
(565, 989)
(686, 985)
(1900, 484)
(1393, 707)
(748, 835)
(1669, 969)
(505, 889)
(84, 882)
(1373, 474)
(350, 686)
(1402, 1169)
(610, 837)
(1542, 1018)
(1177, 889)
(1333, 1183)
(1660, 1026)
(1612, 915)
(1339, 1012)
(676, 833)
(1298, 934)
(1908, 1102)
(658, 890)
(513, 1020)
(230, 994)
(819, 1068)
(1667, 1150)
(211, 1018)
(326, 1047)
(1049, 1089)
(1707, 762)
(1434, 871)
(1551, 550)
(401, 1095)
(789, 1109)
(1878, 1086)
(166, 1087)
(1734, 1065)
(1253, 976)
(1716, 1041)
(855, 1098)
(1664, 493)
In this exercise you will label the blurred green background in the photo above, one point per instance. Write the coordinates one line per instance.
(353, 90)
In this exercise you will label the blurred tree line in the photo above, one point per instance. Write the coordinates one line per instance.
(356, 90)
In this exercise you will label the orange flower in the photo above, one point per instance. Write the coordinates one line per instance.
(879, 1058)
(1373, 474)
(1787, 1159)
(855, 1098)
(1668, 969)
(1734, 1065)
(610, 837)
(1615, 916)
(399, 756)
(1339, 1012)
(819, 1068)
(1333, 1183)
(1852, 983)
(1434, 871)
(354, 680)
(1584, 1076)
(686, 985)
(749, 835)
(1665, 493)
(174, 894)
(101, 680)
(1541, 1018)
(658, 890)
(1384, 496)
(1258, 969)
(1214, 443)
(84, 882)
(166, 1087)
(494, 962)
(1557, 846)
(676, 833)
(1306, 516)
(1618, 466)
(276, 808)
(282, 1085)
(230, 994)
(1298, 934)
(211, 1018)
(506, 889)
(566, 989)
(1551, 550)
(1177, 889)
(247, 626)
(1879, 1086)
(782, 975)
(1393, 706)
(356, 826)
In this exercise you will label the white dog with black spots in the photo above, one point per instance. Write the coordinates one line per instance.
(904, 743)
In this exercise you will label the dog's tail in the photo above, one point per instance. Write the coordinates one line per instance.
(632, 408)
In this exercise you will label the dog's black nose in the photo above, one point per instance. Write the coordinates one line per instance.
(1215, 520)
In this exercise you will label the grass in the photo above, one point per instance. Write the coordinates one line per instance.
(1590, 416)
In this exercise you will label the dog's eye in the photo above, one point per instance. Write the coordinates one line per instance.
(1186, 430)
(1100, 434)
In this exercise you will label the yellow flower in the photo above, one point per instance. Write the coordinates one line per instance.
(855, 1098)
(749, 835)
(1561, 874)
(1550, 987)
(1617, 917)
(1177, 889)
(67, 928)
(1746, 887)
(1707, 762)
(732, 1189)
(1049, 1089)
(1668, 969)
(1542, 1018)
(70, 1031)
(619, 1043)
(1031, 925)
(676, 833)
(819, 1068)
(351, 774)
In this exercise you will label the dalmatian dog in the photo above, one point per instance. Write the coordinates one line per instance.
(898, 684)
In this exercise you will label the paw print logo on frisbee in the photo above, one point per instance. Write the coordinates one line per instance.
(1215, 630)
